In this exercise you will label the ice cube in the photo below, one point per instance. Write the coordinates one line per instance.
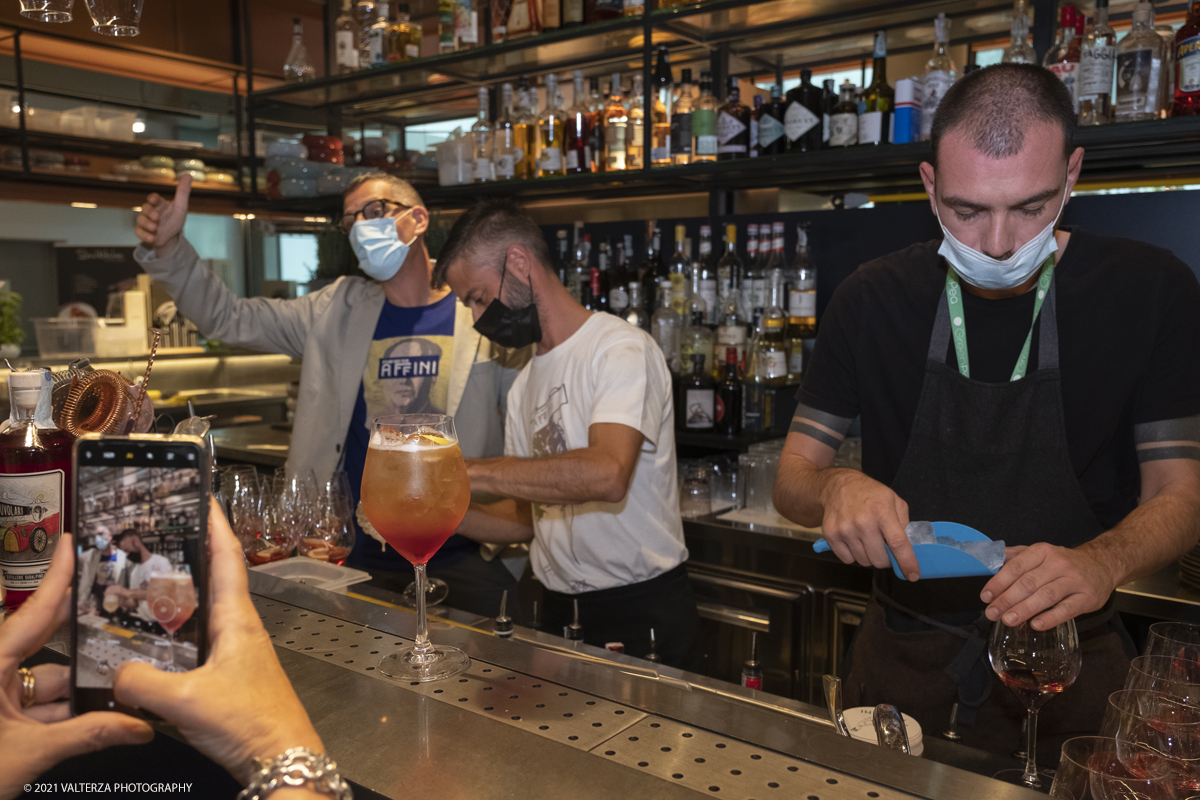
(920, 533)
(990, 553)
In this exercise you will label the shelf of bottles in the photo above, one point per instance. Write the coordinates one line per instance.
(735, 319)
(150, 501)
(816, 137)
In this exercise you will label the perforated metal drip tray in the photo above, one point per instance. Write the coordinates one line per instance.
(686, 755)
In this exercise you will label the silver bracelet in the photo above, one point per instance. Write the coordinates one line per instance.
(297, 768)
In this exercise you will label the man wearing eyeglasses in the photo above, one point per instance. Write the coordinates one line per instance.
(391, 344)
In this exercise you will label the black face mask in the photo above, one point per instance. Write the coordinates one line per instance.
(135, 556)
(510, 327)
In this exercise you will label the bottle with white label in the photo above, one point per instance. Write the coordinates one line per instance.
(874, 124)
(772, 137)
(481, 135)
(802, 291)
(733, 126)
(802, 117)
(616, 128)
(1097, 53)
(1139, 68)
(697, 338)
(843, 120)
(551, 128)
(506, 153)
(696, 398)
(770, 346)
(35, 480)
(940, 74)
(1063, 56)
(708, 277)
(345, 40)
(377, 37)
(704, 122)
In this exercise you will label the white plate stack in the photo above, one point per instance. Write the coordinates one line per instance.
(859, 722)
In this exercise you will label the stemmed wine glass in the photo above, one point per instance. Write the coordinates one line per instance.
(1035, 665)
(1175, 639)
(415, 492)
(172, 601)
(1155, 732)
(1089, 768)
(331, 535)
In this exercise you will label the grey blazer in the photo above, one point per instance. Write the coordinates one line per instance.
(331, 330)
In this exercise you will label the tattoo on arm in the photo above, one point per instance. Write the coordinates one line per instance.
(1168, 439)
(825, 428)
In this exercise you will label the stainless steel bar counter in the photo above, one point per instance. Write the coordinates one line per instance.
(537, 716)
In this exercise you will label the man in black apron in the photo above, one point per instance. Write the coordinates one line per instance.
(1039, 385)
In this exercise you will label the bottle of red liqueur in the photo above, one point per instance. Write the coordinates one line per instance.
(35, 486)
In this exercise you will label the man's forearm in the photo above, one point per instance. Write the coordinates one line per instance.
(498, 523)
(570, 478)
(1153, 534)
(800, 488)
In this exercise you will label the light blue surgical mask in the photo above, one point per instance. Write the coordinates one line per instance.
(101, 542)
(377, 244)
(986, 272)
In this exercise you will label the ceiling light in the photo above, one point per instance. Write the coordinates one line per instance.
(139, 125)
(83, 205)
(16, 109)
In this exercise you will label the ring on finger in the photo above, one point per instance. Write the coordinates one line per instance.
(28, 684)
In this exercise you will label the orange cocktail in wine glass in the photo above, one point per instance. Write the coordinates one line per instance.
(172, 601)
(415, 492)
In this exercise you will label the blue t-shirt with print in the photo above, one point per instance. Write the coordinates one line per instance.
(407, 372)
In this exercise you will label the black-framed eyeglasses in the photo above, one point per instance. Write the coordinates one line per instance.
(372, 210)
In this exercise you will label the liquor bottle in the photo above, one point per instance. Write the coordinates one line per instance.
(1139, 68)
(681, 121)
(466, 25)
(704, 122)
(755, 109)
(481, 134)
(665, 327)
(1167, 81)
(770, 356)
(501, 11)
(578, 272)
(756, 398)
(879, 99)
(708, 276)
(733, 126)
(618, 295)
(505, 150)
(562, 261)
(653, 271)
(601, 278)
(586, 298)
(525, 133)
(843, 120)
(595, 126)
(728, 411)
(697, 338)
(297, 68)
(1096, 53)
(1063, 56)
(616, 128)
(445, 26)
(1187, 65)
(660, 111)
(732, 329)
(679, 271)
(772, 139)
(802, 293)
(775, 261)
(550, 132)
(403, 37)
(796, 339)
(364, 17)
(696, 398)
(729, 267)
(802, 120)
(1019, 50)
(572, 13)
(601, 10)
(940, 74)
(35, 481)
(377, 37)
(635, 315)
(345, 39)
(635, 136)
(549, 15)
(829, 99)
(578, 150)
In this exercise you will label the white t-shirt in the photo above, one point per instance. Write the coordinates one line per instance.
(607, 371)
(139, 578)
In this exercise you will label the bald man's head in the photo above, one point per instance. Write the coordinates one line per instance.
(992, 108)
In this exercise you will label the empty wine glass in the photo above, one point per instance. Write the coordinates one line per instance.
(296, 499)
(1175, 677)
(1089, 769)
(331, 535)
(1174, 639)
(1153, 732)
(1036, 665)
(241, 489)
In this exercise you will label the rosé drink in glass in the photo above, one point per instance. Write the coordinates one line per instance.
(172, 601)
(415, 492)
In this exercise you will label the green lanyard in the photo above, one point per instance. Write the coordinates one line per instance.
(958, 319)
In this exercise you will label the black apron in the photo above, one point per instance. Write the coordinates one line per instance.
(992, 456)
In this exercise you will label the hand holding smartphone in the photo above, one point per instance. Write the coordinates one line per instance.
(141, 574)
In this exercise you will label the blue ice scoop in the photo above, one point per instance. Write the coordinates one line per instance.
(940, 560)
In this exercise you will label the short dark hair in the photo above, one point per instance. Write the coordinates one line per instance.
(494, 224)
(126, 534)
(996, 104)
(402, 190)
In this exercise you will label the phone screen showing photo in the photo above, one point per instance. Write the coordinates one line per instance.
(141, 520)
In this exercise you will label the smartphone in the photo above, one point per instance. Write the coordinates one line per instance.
(141, 560)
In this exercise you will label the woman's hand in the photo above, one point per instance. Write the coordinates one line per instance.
(36, 738)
